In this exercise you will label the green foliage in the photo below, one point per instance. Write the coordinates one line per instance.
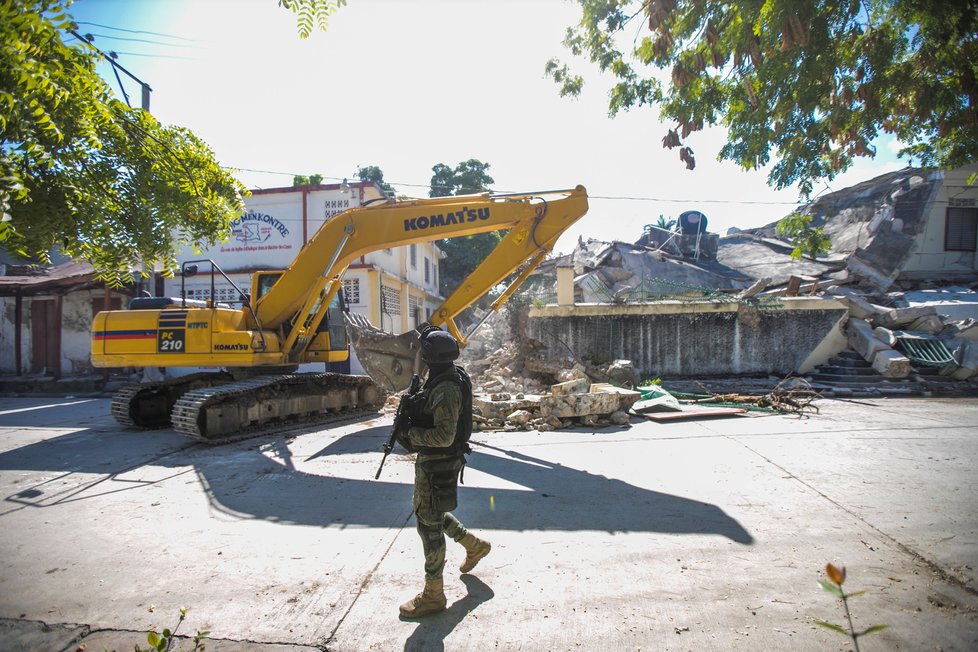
(837, 577)
(163, 641)
(82, 172)
(467, 177)
(312, 14)
(665, 224)
(808, 84)
(465, 253)
(375, 174)
(807, 240)
(311, 180)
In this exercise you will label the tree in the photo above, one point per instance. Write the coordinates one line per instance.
(83, 172)
(811, 84)
(375, 174)
(463, 254)
(467, 177)
(312, 13)
(311, 180)
(807, 240)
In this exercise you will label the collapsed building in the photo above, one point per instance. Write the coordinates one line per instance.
(895, 292)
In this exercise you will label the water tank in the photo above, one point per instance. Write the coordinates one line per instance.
(692, 222)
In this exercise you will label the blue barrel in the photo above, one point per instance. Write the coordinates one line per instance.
(692, 222)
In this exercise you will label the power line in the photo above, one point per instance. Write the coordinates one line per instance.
(143, 40)
(154, 56)
(604, 197)
(136, 31)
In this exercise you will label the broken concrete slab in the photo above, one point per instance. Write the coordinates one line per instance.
(932, 324)
(862, 340)
(891, 364)
(897, 318)
(966, 356)
(503, 407)
(578, 386)
(859, 306)
(622, 373)
(885, 335)
(602, 399)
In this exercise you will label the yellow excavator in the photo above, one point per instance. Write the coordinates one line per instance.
(296, 316)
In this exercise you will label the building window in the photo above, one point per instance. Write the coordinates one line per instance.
(351, 290)
(414, 256)
(223, 294)
(390, 300)
(961, 229)
(414, 305)
(427, 270)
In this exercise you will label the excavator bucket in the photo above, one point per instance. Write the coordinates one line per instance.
(388, 359)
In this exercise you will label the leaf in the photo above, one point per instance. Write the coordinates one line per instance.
(830, 588)
(834, 628)
(153, 639)
(874, 629)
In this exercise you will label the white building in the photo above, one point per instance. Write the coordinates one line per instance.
(396, 288)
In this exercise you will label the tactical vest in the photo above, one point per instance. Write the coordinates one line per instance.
(463, 428)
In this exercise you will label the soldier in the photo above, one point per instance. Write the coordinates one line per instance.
(441, 423)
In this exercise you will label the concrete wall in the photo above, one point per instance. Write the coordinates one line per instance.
(680, 339)
(928, 256)
(75, 332)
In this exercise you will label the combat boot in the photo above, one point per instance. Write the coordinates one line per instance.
(475, 549)
(430, 601)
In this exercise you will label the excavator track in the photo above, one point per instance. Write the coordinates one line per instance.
(148, 405)
(256, 406)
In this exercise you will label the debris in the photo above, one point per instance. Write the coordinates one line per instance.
(903, 317)
(862, 340)
(891, 364)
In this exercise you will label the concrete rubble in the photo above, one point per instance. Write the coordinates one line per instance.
(875, 331)
(515, 390)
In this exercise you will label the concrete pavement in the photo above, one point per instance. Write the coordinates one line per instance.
(704, 535)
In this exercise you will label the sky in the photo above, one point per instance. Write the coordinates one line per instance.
(407, 84)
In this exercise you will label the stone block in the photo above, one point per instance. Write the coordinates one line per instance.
(622, 372)
(576, 386)
(602, 399)
(885, 335)
(862, 340)
(859, 307)
(928, 324)
(897, 318)
(626, 397)
(965, 353)
(891, 364)
(500, 409)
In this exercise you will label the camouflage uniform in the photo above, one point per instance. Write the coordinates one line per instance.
(444, 404)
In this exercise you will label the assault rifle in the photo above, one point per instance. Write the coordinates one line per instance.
(401, 420)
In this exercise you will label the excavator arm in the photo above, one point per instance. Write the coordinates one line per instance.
(299, 298)
(389, 360)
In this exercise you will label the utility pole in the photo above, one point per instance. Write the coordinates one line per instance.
(116, 67)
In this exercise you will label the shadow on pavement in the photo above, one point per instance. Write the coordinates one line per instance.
(431, 633)
(248, 483)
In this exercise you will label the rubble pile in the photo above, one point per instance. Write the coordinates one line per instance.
(515, 388)
(900, 338)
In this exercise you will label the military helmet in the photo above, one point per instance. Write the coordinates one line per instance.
(438, 347)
